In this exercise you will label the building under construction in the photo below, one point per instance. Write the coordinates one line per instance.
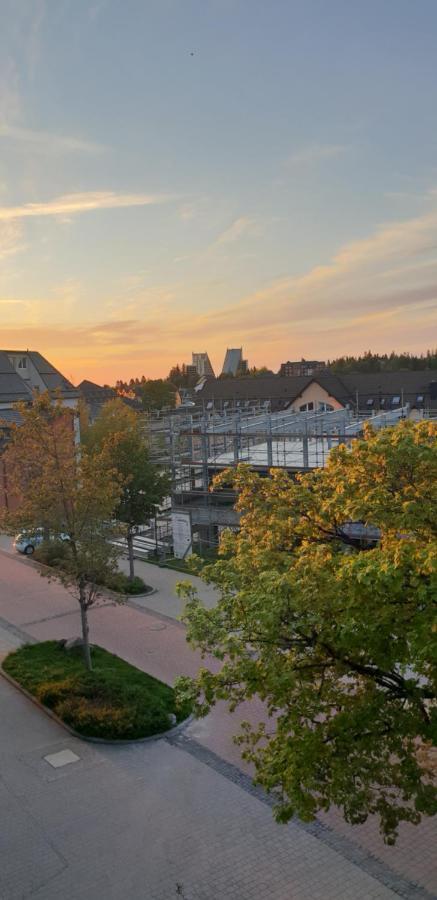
(197, 446)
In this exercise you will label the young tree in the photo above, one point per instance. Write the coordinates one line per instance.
(118, 435)
(144, 484)
(62, 488)
(339, 643)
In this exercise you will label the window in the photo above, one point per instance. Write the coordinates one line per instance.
(369, 401)
(419, 398)
(209, 405)
(395, 400)
(324, 407)
(306, 407)
(22, 363)
(382, 401)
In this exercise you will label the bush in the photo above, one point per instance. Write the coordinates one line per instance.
(53, 553)
(115, 700)
(56, 554)
(121, 583)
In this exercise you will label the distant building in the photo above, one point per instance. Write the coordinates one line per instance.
(362, 392)
(201, 365)
(234, 364)
(96, 396)
(303, 367)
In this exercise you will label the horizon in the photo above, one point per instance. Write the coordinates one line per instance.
(223, 174)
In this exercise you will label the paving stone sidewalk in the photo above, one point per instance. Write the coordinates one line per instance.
(147, 822)
(156, 644)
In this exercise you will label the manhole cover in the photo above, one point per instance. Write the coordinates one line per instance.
(62, 758)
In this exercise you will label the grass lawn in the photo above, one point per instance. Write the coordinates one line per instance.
(115, 701)
(181, 565)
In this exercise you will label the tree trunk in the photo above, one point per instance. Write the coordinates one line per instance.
(85, 631)
(130, 550)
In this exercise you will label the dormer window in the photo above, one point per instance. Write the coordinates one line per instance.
(22, 364)
(395, 400)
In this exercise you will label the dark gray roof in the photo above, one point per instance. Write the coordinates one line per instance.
(12, 387)
(281, 390)
(52, 378)
(90, 389)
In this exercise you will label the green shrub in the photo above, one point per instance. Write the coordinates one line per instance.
(121, 583)
(53, 553)
(114, 701)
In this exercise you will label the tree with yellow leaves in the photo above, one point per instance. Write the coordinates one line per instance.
(61, 488)
(338, 638)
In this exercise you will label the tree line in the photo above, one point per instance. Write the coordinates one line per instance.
(384, 362)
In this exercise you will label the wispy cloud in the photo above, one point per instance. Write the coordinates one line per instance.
(376, 292)
(47, 142)
(241, 227)
(313, 153)
(11, 241)
(71, 204)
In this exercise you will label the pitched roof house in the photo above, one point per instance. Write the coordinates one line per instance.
(325, 390)
(24, 371)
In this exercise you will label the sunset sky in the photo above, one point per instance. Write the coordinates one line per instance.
(181, 175)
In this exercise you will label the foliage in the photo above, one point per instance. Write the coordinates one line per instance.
(255, 372)
(113, 417)
(58, 555)
(155, 394)
(63, 488)
(121, 440)
(122, 584)
(376, 362)
(114, 701)
(180, 377)
(339, 643)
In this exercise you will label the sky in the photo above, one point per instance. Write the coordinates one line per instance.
(192, 175)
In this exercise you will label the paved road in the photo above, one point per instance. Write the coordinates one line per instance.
(206, 756)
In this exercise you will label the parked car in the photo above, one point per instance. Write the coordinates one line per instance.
(26, 542)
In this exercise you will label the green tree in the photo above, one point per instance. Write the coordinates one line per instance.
(60, 487)
(114, 416)
(339, 643)
(118, 434)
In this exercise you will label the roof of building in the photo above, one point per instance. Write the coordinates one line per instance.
(281, 390)
(51, 377)
(89, 388)
(10, 417)
(232, 361)
(12, 387)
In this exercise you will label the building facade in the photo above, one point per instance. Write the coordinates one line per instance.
(303, 367)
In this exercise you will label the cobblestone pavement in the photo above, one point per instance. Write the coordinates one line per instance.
(30, 606)
(144, 822)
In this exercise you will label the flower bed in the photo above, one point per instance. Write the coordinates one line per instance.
(114, 701)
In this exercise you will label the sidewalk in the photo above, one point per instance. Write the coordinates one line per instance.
(147, 822)
(45, 610)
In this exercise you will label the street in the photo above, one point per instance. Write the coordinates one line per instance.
(137, 821)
